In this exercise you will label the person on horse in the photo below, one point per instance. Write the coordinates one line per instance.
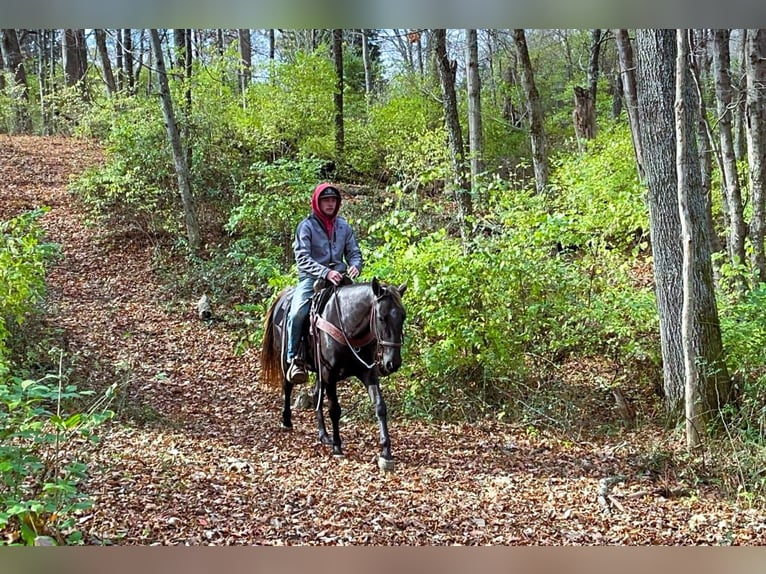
(325, 248)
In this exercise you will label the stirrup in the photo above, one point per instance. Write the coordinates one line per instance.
(297, 374)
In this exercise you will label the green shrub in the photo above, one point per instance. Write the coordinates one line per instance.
(23, 257)
(41, 431)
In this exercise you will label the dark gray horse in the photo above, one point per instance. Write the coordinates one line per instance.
(356, 330)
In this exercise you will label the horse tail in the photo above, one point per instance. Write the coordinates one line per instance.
(271, 356)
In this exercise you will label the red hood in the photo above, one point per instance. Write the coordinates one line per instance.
(326, 221)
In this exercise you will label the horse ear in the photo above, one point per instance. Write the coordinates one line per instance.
(376, 288)
(402, 288)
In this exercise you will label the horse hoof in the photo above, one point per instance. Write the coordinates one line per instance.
(385, 464)
(338, 455)
(287, 428)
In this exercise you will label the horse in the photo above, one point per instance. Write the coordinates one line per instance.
(354, 330)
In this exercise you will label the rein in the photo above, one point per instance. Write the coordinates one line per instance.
(354, 343)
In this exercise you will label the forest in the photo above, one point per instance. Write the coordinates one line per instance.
(579, 216)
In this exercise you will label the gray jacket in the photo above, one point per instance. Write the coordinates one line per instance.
(315, 252)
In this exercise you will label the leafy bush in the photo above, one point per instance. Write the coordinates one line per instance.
(39, 430)
(39, 420)
(23, 257)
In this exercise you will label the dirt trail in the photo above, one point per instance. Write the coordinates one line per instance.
(196, 455)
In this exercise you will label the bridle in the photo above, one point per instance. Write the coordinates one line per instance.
(355, 344)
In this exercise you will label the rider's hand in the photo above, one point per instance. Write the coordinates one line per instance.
(334, 277)
(352, 272)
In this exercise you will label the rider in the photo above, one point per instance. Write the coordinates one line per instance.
(322, 241)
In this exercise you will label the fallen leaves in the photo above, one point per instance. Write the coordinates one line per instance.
(197, 456)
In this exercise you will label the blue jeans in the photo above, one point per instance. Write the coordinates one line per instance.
(299, 310)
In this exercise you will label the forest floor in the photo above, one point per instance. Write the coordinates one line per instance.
(196, 456)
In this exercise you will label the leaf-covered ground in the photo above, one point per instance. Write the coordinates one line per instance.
(196, 455)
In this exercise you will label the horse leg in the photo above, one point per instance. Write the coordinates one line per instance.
(334, 410)
(385, 460)
(324, 438)
(287, 415)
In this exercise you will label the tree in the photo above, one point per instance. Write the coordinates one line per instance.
(656, 94)
(74, 52)
(474, 106)
(340, 138)
(15, 63)
(106, 63)
(628, 75)
(756, 146)
(729, 173)
(245, 58)
(535, 112)
(684, 135)
(447, 70)
(182, 170)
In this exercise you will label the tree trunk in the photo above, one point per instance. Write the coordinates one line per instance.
(245, 58)
(740, 109)
(628, 74)
(730, 175)
(535, 112)
(367, 64)
(684, 161)
(74, 55)
(475, 142)
(699, 68)
(15, 63)
(447, 69)
(756, 145)
(182, 171)
(106, 63)
(127, 47)
(584, 115)
(340, 136)
(593, 65)
(656, 93)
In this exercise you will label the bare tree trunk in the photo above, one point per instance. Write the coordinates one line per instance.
(272, 44)
(245, 58)
(694, 422)
(756, 144)
(593, 63)
(628, 74)
(340, 136)
(700, 69)
(179, 157)
(447, 70)
(106, 63)
(584, 115)
(730, 175)
(15, 63)
(127, 47)
(74, 55)
(475, 141)
(656, 88)
(535, 112)
(367, 64)
(740, 108)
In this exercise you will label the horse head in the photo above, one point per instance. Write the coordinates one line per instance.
(389, 315)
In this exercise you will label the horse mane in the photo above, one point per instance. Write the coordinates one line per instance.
(271, 357)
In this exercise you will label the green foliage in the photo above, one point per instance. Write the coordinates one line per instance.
(39, 418)
(407, 135)
(293, 111)
(137, 178)
(23, 256)
(40, 427)
(598, 192)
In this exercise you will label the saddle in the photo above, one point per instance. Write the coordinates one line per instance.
(322, 291)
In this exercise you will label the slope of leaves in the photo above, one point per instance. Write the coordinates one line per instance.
(196, 454)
